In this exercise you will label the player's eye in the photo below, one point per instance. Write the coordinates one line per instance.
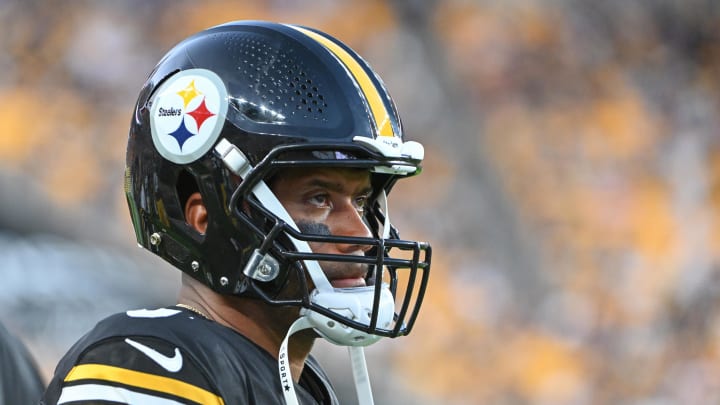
(320, 200)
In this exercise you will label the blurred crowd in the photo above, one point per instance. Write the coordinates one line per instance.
(571, 189)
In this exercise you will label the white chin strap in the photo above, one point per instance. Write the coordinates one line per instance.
(353, 303)
(357, 362)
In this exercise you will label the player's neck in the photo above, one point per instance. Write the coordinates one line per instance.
(264, 325)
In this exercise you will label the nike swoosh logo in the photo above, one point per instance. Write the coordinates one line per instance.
(171, 364)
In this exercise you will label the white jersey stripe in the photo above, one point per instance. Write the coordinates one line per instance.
(98, 392)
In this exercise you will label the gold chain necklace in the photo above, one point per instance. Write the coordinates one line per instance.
(193, 309)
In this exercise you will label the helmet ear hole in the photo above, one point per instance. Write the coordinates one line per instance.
(186, 186)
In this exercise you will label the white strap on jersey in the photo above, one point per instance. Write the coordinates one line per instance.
(286, 380)
(357, 362)
(360, 375)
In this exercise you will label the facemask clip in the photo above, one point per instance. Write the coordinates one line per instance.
(262, 267)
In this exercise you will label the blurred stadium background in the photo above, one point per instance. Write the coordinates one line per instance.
(571, 189)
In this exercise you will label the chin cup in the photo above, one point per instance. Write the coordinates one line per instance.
(355, 304)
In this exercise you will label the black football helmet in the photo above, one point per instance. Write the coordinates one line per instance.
(222, 112)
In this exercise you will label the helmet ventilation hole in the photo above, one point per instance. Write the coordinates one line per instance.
(280, 80)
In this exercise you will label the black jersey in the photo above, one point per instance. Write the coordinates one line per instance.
(173, 356)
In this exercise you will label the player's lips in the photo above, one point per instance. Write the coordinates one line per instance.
(346, 275)
(348, 282)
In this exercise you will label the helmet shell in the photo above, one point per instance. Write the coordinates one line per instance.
(276, 85)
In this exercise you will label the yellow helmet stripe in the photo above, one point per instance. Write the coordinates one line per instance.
(372, 95)
(143, 380)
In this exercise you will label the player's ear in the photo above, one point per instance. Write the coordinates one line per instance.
(196, 213)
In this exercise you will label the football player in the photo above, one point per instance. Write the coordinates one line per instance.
(259, 160)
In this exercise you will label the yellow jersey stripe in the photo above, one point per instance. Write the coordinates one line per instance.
(372, 95)
(143, 380)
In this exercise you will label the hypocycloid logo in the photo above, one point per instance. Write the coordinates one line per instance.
(187, 114)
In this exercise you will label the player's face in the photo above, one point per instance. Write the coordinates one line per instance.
(329, 201)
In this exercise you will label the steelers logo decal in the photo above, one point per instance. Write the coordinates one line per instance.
(187, 115)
